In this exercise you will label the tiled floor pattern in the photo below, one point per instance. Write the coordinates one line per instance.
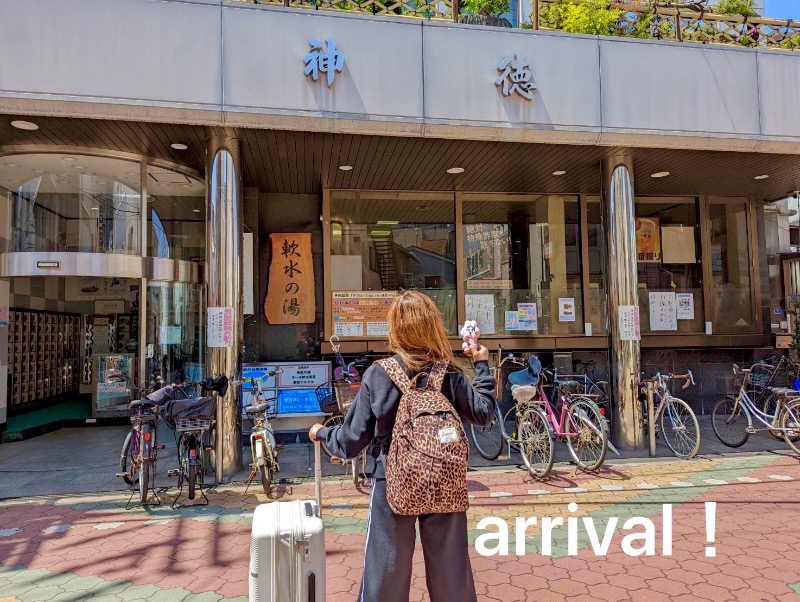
(91, 547)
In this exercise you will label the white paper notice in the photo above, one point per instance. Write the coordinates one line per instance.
(663, 311)
(528, 316)
(481, 309)
(628, 316)
(348, 329)
(566, 309)
(377, 329)
(219, 326)
(685, 306)
(512, 320)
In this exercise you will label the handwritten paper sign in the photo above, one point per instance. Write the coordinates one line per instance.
(290, 295)
(628, 322)
(358, 312)
(219, 326)
(481, 309)
(663, 311)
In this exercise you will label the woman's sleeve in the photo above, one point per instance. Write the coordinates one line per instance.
(350, 438)
(475, 401)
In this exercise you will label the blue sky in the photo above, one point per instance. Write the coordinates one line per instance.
(783, 9)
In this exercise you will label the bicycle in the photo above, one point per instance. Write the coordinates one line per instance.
(674, 419)
(131, 446)
(595, 387)
(263, 446)
(140, 447)
(335, 399)
(772, 373)
(732, 417)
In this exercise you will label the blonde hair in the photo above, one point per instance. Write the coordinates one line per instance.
(416, 331)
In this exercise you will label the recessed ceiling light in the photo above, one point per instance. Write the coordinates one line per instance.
(761, 177)
(95, 208)
(70, 159)
(24, 125)
(455, 170)
(346, 167)
(38, 171)
(422, 208)
(659, 174)
(10, 165)
(78, 167)
(179, 146)
(88, 173)
(559, 172)
(195, 211)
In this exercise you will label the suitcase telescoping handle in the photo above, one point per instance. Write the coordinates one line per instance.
(318, 477)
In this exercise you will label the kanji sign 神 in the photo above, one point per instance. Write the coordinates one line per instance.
(290, 295)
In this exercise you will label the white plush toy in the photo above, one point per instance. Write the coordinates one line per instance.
(470, 333)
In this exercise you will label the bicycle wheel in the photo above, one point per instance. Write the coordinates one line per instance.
(680, 428)
(590, 444)
(145, 470)
(510, 426)
(191, 479)
(488, 439)
(770, 407)
(537, 444)
(331, 421)
(599, 388)
(265, 469)
(126, 457)
(729, 419)
(790, 419)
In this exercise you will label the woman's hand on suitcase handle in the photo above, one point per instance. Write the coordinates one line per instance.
(312, 432)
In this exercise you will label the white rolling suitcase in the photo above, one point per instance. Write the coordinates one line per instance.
(287, 550)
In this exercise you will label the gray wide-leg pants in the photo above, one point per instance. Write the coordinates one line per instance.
(390, 550)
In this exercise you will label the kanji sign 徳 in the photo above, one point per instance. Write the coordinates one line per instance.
(290, 294)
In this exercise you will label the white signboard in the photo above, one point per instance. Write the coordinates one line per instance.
(528, 316)
(481, 309)
(377, 329)
(247, 273)
(663, 312)
(628, 320)
(303, 375)
(348, 329)
(219, 326)
(112, 387)
(566, 309)
(685, 306)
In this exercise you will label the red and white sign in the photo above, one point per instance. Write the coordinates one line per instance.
(629, 328)
(219, 327)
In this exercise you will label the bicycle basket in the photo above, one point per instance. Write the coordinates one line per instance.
(760, 376)
(346, 394)
(326, 399)
(571, 387)
(203, 408)
(192, 424)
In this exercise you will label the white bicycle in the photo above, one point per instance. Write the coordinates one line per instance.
(263, 446)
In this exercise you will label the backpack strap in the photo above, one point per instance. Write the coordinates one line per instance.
(436, 378)
(397, 374)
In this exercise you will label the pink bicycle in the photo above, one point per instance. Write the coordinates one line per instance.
(579, 422)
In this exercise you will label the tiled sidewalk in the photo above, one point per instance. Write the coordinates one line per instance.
(91, 547)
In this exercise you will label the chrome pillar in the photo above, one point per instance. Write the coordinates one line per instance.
(619, 224)
(224, 289)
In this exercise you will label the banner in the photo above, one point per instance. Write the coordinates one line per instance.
(290, 293)
(648, 240)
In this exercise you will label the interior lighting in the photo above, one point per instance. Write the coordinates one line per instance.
(763, 176)
(455, 170)
(69, 159)
(24, 125)
(179, 146)
(559, 172)
(78, 167)
(386, 223)
(195, 211)
(10, 165)
(660, 174)
(346, 167)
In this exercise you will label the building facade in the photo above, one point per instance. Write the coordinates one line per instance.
(585, 198)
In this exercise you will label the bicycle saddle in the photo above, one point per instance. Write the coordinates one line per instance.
(142, 403)
(257, 409)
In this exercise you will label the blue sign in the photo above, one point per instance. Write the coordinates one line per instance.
(257, 372)
(297, 401)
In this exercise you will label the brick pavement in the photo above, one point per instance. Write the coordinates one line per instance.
(91, 547)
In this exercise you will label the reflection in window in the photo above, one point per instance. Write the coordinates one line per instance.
(730, 267)
(597, 265)
(177, 215)
(387, 241)
(72, 203)
(670, 275)
(522, 263)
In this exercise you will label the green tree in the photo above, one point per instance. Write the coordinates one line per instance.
(593, 17)
(486, 7)
(735, 7)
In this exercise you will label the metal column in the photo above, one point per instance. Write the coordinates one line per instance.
(224, 289)
(622, 285)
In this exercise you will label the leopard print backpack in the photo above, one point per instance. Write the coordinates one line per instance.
(426, 468)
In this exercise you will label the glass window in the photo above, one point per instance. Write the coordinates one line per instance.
(730, 267)
(72, 203)
(175, 331)
(669, 268)
(176, 206)
(597, 265)
(522, 263)
(386, 241)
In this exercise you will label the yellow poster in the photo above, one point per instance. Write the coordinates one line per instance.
(290, 294)
(648, 240)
